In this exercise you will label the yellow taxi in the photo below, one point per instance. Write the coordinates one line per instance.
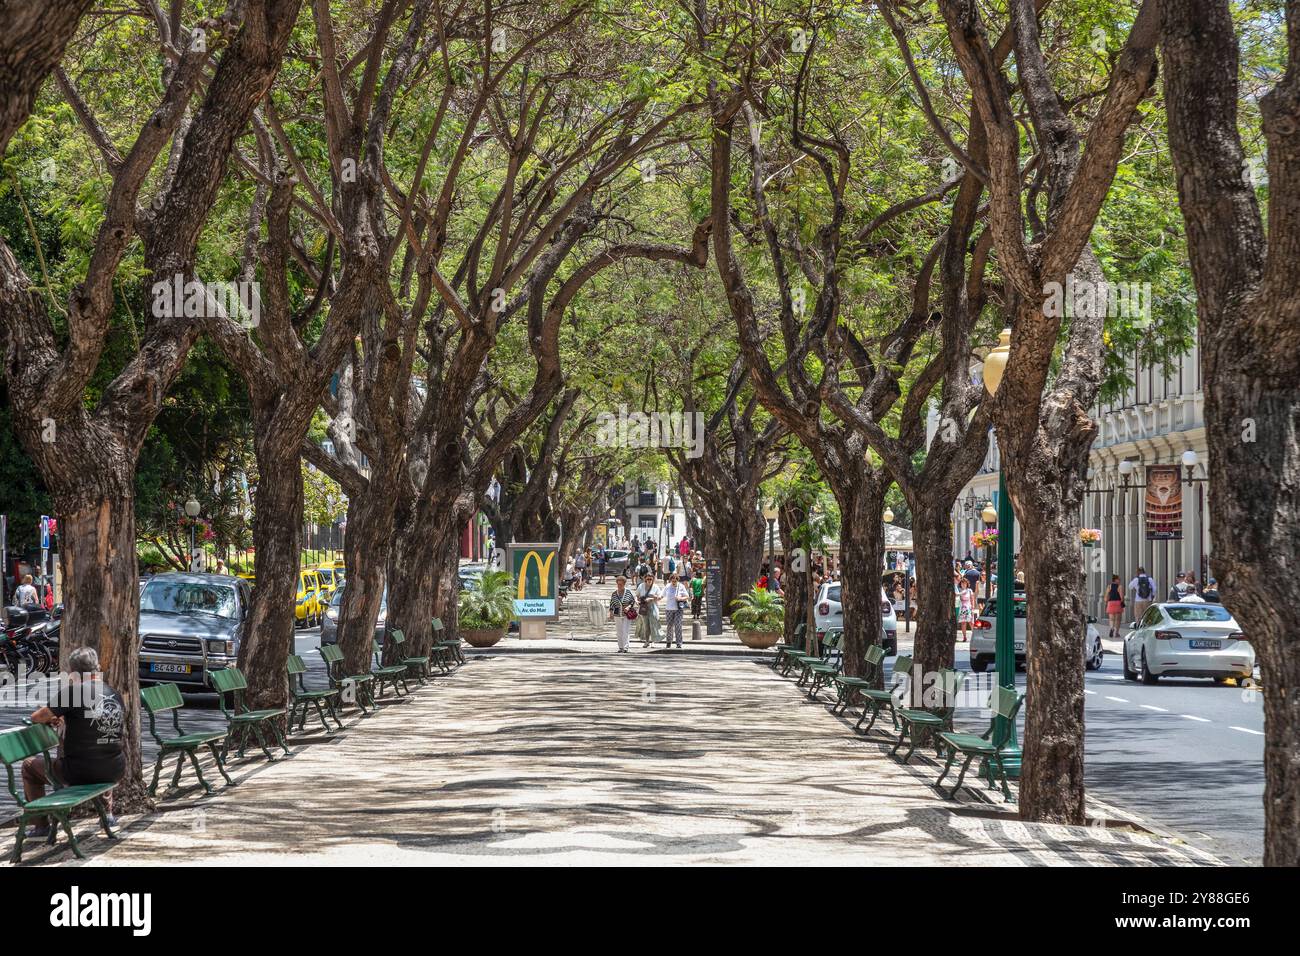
(329, 579)
(308, 609)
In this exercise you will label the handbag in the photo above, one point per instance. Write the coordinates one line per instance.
(630, 613)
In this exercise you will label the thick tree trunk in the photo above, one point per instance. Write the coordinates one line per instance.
(739, 541)
(365, 557)
(277, 522)
(102, 604)
(1051, 783)
(1255, 513)
(932, 542)
(410, 573)
(862, 545)
(794, 584)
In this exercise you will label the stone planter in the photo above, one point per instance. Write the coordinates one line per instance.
(758, 640)
(482, 637)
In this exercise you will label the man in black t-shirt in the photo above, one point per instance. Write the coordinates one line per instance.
(92, 716)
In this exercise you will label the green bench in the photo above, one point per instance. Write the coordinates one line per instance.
(448, 649)
(846, 685)
(361, 686)
(41, 739)
(830, 648)
(821, 673)
(1004, 702)
(417, 667)
(387, 674)
(167, 697)
(240, 719)
(912, 721)
(874, 701)
(324, 699)
(794, 647)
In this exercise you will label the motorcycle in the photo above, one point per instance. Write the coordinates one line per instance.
(25, 646)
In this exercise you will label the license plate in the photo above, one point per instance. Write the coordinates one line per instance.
(1020, 647)
(169, 668)
(1204, 645)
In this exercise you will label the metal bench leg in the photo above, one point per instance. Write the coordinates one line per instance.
(261, 739)
(221, 763)
(102, 807)
(280, 737)
(869, 709)
(18, 844)
(320, 712)
(961, 776)
(1002, 775)
(335, 710)
(66, 820)
(946, 767)
(902, 738)
(180, 765)
(194, 762)
(157, 768)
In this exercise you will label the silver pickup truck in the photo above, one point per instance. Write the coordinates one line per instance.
(190, 624)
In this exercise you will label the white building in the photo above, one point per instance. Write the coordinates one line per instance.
(654, 511)
(1157, 421)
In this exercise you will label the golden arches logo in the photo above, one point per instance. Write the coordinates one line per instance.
(543, 573)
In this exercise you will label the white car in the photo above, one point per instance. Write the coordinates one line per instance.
(830, 614)
(983, 639)
(1189, 640)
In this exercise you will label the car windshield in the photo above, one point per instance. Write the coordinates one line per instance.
(990, 608)
(833, 592)
(337, 599)
(189, 597)
(1198, 612)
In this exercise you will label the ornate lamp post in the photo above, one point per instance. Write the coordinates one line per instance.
(192, 509)
(990, 516)
(1004, 655)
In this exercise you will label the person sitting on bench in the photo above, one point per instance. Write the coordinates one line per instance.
(92, 739)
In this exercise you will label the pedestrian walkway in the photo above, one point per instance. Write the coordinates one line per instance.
(651, 758)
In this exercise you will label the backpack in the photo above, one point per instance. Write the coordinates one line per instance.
(1144, 587)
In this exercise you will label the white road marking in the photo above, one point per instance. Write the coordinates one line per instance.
(1119, 700)
(1111, 677)
(1204, 720)
(1247, 730)
(1158, 710)
(1090, 692)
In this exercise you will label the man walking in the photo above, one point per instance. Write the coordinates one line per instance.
(1143, 591)
(601, 560)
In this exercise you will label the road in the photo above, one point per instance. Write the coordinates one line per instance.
(1186, 754)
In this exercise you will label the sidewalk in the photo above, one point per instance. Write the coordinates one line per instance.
(594, 758)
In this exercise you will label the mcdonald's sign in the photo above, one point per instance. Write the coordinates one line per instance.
(536, 572)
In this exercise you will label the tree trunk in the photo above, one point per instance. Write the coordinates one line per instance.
(277, 522)
(410, 573)
(932, 543)
(102, 605)
(794, 584)
(862, 546)
(1051, 780)
(739, 540)
(365, 557)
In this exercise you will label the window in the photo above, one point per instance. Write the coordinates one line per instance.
(1199, 612)
(188, 597)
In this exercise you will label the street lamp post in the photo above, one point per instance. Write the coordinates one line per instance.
(1004, 655)
(192, 509)
(990, 516)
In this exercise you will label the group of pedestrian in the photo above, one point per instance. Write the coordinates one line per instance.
(1142, 592)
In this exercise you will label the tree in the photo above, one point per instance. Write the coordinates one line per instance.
(1042, 410)
(86, 445)
(1249, 308)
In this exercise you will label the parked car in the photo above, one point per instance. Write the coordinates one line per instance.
(329, 582)
(983, 639)
(190, 624)
(1187, 640)
(829, 614)
(329, 628)
(616, 560)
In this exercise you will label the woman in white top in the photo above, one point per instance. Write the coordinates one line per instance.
(675, 598)
(648, 596)
(619, 602)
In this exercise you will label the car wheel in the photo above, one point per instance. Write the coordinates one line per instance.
(1129, 673)
(1246, 680)
(1145, 672)
(979, 664)
(1094, 662)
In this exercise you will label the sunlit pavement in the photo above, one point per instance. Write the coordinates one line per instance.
(646, 758)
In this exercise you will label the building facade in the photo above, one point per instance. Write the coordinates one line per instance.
(653, 510)
(1155, 422)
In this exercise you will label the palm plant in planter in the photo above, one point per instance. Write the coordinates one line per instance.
(485, 611)
(759, 618)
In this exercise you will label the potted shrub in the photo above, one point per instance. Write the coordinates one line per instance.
(759, 618)
(485, 611)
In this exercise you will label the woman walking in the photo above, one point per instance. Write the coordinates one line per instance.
(675, 605)
(965, 608)
(1115, 606)
(620, 602)
(648, 595)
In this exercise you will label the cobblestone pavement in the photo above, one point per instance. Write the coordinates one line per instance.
(653, 757)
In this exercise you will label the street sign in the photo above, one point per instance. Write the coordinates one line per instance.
(535, 569)
(45, 532)
(713, 596)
